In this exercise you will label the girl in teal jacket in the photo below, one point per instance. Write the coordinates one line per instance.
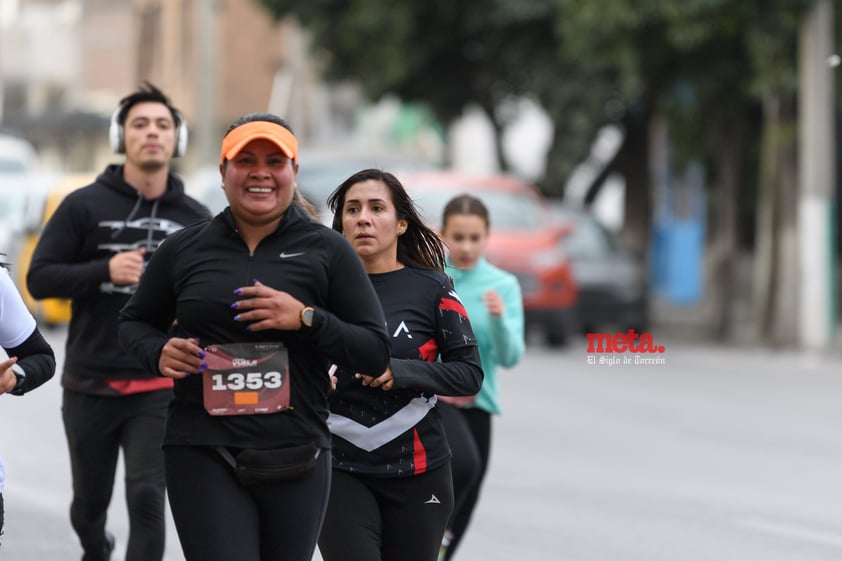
(492, 298)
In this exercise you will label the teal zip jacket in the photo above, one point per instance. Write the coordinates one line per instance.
(500, 339)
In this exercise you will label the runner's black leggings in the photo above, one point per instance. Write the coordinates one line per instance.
(218, 519)
(469, 435)
(97, 428)
(387, 519)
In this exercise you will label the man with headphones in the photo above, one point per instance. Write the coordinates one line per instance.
(93, 251)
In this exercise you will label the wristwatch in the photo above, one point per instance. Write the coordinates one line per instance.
(307, 316)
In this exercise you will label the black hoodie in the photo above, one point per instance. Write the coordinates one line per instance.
(71, 261)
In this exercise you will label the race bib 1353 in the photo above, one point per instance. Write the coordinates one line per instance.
(246, 379)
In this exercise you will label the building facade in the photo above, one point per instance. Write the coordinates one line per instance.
(64, 65)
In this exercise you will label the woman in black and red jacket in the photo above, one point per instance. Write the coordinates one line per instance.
(392, 491)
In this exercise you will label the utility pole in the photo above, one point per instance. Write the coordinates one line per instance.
(206, 117)
(171, 63)
(816, 179)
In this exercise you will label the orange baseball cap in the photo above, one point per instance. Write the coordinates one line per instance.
(236, 140)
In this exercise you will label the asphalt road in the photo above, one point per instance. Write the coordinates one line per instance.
(719, 454)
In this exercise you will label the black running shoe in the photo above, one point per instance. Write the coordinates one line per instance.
(105, 554)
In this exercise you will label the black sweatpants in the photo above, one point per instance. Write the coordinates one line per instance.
(218, 519)
(97, 428)
(387, 519)
(469, 435)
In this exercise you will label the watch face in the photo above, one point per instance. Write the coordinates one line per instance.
(307, 317)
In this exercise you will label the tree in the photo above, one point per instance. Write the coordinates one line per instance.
(709, 68)
(443, 53)
(774, 50)
(719, 72)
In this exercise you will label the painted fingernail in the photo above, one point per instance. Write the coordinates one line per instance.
(234, 305)
(201, 353)
(186, 374)
(248, 327)
(204, 365)
(255, 281)
(237, 317)
(238, 291)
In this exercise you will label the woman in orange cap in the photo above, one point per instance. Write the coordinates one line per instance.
(264, 298)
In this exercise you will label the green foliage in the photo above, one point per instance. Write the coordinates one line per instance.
(693, 62)
(441, 52)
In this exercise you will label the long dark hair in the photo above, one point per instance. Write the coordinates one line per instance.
(419, 246)
(297, 198)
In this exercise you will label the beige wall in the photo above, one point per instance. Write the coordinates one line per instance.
(122, 47)
(250, 51)
(221, 76)
(108, 41)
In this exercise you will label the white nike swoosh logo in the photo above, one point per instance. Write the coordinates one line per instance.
(285, 255)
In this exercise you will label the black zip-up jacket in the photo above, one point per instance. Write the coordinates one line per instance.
(71, 261)
(192, 278)
(398, 433)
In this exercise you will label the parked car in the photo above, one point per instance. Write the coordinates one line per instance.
(612, 280)
(19, 183)
(17, 155)
(205, 185)
(321, 172)
(14, 201)
(523, 241)
(50, 312)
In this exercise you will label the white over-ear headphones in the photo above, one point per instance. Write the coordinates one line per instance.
(116, 133)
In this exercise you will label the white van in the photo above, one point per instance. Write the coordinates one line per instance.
(16, 155)
(18, 163)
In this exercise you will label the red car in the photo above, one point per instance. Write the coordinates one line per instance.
(524, 241)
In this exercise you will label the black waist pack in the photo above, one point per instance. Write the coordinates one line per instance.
(258, 467)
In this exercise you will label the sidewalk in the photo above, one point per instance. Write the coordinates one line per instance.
(692, 324)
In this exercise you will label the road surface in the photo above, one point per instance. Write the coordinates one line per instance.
(718, 454)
